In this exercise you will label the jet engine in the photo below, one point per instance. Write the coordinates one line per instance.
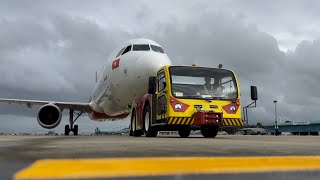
(49, 116)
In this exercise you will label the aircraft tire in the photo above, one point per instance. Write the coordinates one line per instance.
(209, 131)
(147, 121)
(66, 130)
(75, 130)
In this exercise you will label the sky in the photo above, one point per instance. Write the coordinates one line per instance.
(50, 50)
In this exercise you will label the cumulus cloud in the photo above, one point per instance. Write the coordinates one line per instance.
(50, 51)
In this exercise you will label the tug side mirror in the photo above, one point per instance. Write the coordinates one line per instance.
(152, 85)
(254, 93)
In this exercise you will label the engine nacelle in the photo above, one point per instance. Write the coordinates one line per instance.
(49, 116)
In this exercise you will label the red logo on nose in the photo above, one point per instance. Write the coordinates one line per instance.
(115, 64)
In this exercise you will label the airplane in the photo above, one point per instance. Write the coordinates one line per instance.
(124, 78)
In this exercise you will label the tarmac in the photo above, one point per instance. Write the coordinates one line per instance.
(164, 157)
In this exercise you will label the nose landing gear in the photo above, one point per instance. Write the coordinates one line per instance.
(72, 127)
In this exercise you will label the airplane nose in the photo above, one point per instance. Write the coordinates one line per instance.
(151, 63)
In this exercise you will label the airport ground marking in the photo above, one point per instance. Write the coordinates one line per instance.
(163, 166)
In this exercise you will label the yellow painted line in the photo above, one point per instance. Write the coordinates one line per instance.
(132, 167)
(170, 120)
(225, 122)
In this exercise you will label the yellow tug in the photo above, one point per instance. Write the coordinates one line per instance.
(185, 98)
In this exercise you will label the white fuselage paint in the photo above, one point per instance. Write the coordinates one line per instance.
(117, 88)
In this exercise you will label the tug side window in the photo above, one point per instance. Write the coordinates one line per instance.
(161, 82)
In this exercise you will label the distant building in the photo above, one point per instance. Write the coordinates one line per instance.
(252, 131)
(120, 132)
(296, 128)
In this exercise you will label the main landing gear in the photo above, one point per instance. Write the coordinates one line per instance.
(72, 127)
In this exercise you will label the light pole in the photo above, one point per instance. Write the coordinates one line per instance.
(276, 122)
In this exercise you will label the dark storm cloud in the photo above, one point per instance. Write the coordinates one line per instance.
(50, 51)
(290, 21)
(303, 76)
(62, 58)
(216, 38)
(51, 60)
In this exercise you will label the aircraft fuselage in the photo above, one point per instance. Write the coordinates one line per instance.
(124, 78)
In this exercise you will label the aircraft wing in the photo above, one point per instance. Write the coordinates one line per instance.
(84, 107)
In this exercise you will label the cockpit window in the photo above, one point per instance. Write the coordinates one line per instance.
(120, 52)
(126, 50)
(141, 47)
(157, 49)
